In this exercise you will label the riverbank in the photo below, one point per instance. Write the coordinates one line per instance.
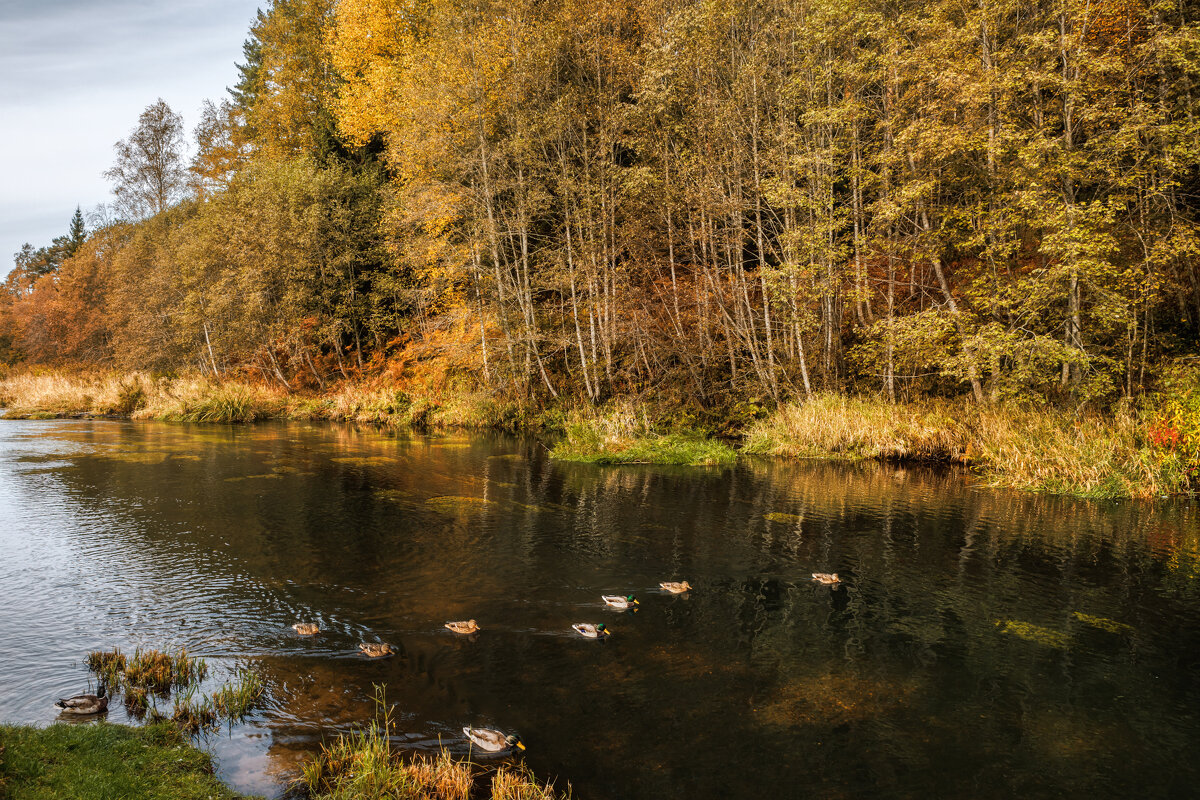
(1148, 451)
(104, 761)
(157, 762)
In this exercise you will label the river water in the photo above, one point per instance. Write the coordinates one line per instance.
(982, 643)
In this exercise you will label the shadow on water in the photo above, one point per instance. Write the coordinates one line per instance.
(981, 644)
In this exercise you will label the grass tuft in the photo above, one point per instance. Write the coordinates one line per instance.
(237, 699)
(158, 672)
(191, 715)
(108, 665)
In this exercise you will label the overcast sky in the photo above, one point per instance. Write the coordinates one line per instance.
(75, 75)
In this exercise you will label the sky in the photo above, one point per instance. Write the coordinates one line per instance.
(75, 75)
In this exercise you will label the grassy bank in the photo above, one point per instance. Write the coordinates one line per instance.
(104, 761)
(1145, 451)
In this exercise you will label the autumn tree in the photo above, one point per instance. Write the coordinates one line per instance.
(149, 173)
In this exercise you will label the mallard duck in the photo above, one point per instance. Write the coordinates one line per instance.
(590, 631)
(617, 601)
(827, 578)
(306, 628)
(84, 704)
(492, 741)
(376, 649)
(470, 626)
(675, 587)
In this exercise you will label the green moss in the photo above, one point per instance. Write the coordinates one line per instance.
(102, 761)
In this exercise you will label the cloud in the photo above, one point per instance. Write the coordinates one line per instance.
(75, 75)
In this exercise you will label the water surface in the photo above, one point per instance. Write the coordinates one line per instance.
(983, 643)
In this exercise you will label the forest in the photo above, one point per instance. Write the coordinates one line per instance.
(719, 208)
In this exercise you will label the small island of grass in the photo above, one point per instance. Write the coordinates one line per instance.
(621, 437)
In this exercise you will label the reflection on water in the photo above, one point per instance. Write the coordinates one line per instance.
(981, 644)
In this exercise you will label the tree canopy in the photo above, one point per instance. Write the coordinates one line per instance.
(710, 201)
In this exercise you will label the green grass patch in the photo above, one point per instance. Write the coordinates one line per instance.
(102, 761)
(622, 436)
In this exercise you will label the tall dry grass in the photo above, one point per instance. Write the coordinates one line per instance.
(1041, 450)
(841, 426)
(140, 395)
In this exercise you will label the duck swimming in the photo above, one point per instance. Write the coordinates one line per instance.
(617, 601)
(84, 704)
(306, 628)
(675, 587)
(492, 741)
(376, 649)
(470, 626)
(827, 578)
(589, 631)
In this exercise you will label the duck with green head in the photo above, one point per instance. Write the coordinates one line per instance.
(589, 631)
(492, 741)
(617, 601)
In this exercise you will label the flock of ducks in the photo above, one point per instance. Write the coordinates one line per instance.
(492, 741)
(486, 739)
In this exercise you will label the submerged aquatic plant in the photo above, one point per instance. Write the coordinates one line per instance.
(1035, 633)
(1103, 623)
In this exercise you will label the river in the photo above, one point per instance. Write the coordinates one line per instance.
(981, 644)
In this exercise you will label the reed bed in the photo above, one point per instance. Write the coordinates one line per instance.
(149, 673)
(839, 426)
